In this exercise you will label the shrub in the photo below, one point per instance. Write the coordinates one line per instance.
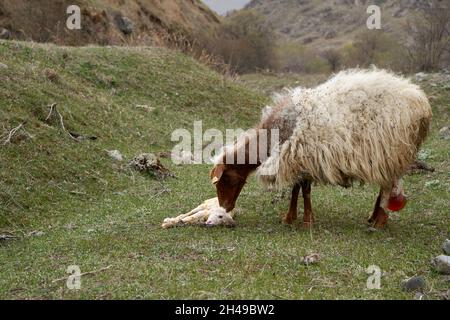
(245, 41)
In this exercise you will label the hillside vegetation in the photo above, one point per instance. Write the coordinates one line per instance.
(45, 20)
(65, 202)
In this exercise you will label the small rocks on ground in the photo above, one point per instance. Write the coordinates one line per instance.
(3, 66)
(441, 264)
(4, 237)
(423, 154)
(415, 283)
(36, 233)
(311, 259)
(420, 76)
(420, 296)
(115, 155)
(446, 246)
(150, 163)
(5, 34)
(145, 107)
(444, 133)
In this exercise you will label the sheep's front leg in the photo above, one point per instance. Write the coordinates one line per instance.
(379, 217)
(291, 216)
(308, 217)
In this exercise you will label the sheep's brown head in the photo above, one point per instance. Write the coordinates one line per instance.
(229, 181)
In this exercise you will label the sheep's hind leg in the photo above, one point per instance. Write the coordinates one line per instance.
(379, 217)
(291, 216)
(308, 216)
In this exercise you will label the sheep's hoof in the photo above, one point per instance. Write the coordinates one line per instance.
(289, 219)
(380, 220)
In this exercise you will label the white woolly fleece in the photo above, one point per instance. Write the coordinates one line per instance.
(364, 125)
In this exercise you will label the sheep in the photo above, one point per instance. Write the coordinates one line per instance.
(208, 213)
(360, 125)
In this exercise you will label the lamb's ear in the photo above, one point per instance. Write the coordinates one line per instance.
(216, 173)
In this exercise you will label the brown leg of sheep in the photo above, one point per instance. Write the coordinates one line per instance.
(291, 216)
(308, 217)
(379, 217)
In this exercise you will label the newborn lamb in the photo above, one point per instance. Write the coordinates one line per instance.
(208, 213)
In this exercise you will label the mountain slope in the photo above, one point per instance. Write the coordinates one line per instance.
(331, 23)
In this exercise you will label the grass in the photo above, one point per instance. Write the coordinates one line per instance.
(94, 212)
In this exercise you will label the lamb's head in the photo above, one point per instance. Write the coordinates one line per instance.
(220, 217)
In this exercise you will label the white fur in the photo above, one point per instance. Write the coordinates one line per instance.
(364, 125)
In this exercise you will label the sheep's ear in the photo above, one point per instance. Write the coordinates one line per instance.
(216, 173)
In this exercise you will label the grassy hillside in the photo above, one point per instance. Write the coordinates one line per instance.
(66, 203)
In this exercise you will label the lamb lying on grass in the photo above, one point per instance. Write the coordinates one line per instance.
(208, 213)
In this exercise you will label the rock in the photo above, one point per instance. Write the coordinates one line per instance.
(115, 154)
(446, 295)
(124, 24)
(311, 259)
(3, 66)
(444, 133)
(446, 247)
(150, 163)
(420, 296)
(36, 233)
(441, 264)
(5, 34)
(145, 107)
(423, 154)
(420, 76)
(415, 283)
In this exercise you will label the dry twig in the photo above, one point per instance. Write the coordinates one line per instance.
(53, 110)
(12, 133)
(85, 273)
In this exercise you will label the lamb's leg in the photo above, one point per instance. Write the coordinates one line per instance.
(308, 216)
(379, 217)
(291, 216)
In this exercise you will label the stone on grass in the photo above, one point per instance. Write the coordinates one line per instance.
(444, 133)
(415, 283)
(446, 247)
(3, 66)
(150, 163)
(5, 34)
(115, 154)
(441, 264)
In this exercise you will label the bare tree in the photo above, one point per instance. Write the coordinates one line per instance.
(429, 37)
(334, 59)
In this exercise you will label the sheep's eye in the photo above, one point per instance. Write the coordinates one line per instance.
(220, 217)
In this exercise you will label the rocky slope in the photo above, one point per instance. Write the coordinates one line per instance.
(104, 21)
(332, 23)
